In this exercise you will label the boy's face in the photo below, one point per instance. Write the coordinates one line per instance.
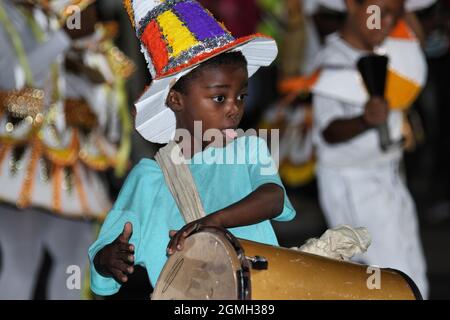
(215, 97)
(391, 12)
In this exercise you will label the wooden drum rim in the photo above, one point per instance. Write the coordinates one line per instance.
(415, 290)
(243, 275)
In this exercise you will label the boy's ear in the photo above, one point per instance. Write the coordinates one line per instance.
(175, 101)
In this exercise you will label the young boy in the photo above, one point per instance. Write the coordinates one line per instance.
(359, 183)
(236, 196)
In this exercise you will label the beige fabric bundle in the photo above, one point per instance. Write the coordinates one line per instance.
(341, 243)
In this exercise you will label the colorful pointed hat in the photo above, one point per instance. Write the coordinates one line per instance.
(176, 36)
(410, 5)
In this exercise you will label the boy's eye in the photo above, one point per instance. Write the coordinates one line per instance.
(219, 99)
(242, 97)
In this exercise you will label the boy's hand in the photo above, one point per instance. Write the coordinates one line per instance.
(376, 111)
(117, 258)
(177, 238)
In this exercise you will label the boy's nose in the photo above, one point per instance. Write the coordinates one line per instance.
(232, 110)
(232, 116)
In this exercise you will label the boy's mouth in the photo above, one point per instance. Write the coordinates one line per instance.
(230, 133)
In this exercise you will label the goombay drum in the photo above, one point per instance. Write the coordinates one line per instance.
(215, 265)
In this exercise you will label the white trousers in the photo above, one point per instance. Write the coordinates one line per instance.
(377, 198)
(24, 234)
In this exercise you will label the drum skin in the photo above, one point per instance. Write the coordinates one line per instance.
(207, 268)
(213, 266)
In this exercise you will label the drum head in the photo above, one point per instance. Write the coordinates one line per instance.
(208, 268)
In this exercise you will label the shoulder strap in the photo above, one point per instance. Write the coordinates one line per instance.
(180, 181)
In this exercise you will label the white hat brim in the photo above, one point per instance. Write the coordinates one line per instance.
(156, 122)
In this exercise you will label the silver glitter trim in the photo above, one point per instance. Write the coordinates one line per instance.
(205, 46)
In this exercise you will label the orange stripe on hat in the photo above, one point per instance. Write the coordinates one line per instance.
(156, 46)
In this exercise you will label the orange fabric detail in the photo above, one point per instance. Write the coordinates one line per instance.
(57, 178)
(400, 91)
(28, 184)
(64, 157)
(129, 8)
(299, 84)
(402, 31)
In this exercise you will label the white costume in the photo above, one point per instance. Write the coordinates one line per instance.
(51, 191)
(359, 184)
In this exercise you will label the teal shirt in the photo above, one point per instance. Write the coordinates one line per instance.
(147, 203)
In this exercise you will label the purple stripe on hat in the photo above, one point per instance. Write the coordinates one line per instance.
(199, 22)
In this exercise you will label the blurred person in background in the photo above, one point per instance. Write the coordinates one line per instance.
(60, 101)
(31, 57)
(359, 183)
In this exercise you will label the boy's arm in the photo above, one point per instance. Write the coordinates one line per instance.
(340, 130)
(265, 203)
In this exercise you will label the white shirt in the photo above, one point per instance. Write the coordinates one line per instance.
(364, 149)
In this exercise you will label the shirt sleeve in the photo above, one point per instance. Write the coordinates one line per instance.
(263, 170)
(326, 110)
(111, 229)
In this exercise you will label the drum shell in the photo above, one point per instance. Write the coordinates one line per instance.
(295, 275)
(290, 274)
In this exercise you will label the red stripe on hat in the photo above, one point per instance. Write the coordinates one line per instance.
(152, 38)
